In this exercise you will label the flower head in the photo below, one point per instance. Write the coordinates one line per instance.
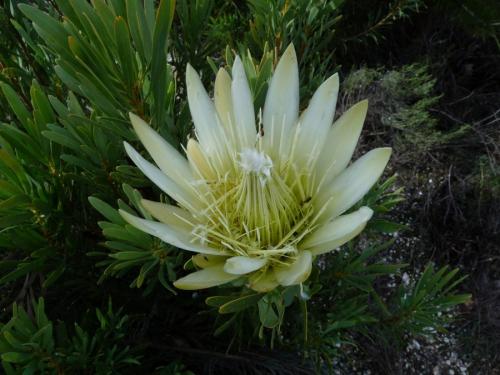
(259, 205)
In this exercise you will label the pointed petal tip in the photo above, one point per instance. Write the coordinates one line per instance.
(290, 51)
(238, 70)
(332, 234)
(237, 61)
(262, 282)
(379, 154)
(222, 78)
(132, 116)
(191, 74)
(190, 143)
(288, 61)
(147, 203)
(138, 123)
(366, 212)
(131, 152)
(331, 84)
(297, 272)
(358, 110)
(125, 215)
(207, 260)
(241, 265)
(151, 207)
(385, 152)
(362, 104)
(206, 278)
(128, 148)
(333, 79)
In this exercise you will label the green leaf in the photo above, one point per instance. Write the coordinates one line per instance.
(164, 17)
(269, 311)
(48, 28)
(42, 110)
(23, 142)
(16, 201)
(218, 301)
(77, 162)
(13, 341)
(22, 114)
(386, 226)
(224, 326)
(137, 25)
(53, 276)
(385, 269)
(240, 303)
(22, 270)
(107, 211)
(125, 52)
(16, 357)
(120, 246)
(130, 255)
(61, 137)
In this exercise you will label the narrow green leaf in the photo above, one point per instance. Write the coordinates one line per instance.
(125, 52)
(130, 255)
(22, 114)
(164, 17)
(22, 270)
(106, 210)
(218, 301)
(386, 226)
(16, 357)
(240, 303)
(61, 138)
(48, 28)
(224, 326)
(53, 276)
(268, 315)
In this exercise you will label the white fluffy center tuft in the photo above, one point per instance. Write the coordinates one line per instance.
(257, 162)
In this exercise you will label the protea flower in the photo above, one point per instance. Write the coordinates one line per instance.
(259, 201)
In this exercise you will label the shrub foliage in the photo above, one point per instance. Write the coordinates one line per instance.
(70, 71)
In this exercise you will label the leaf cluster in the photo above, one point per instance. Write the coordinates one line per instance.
(70, 73)
(30, 343)
(402, 99)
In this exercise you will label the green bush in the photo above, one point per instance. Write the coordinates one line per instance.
(71, 71)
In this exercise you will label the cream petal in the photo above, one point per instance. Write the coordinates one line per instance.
(206, 121)
(296, 272)
(175, 237)
(168, 159)
(185, 197)
(263, 282)
(335, 233)
(315, 122)
(282, 105)
(222, 98)
(206, 260)
(171, 215)
(341, 141)
(198, 161)
(244, 115)
(352, 184)
(206, 278)
(241, 265)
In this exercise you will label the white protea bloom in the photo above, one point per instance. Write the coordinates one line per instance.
(259, 202)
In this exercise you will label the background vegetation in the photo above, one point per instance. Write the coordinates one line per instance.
(81, 292)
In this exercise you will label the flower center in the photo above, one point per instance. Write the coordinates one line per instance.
(257, 208)
(253, 161)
